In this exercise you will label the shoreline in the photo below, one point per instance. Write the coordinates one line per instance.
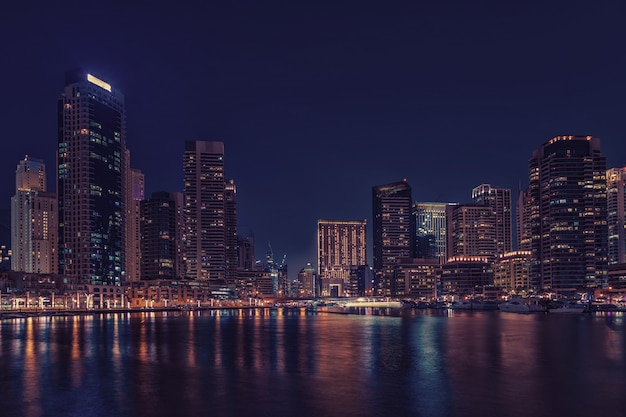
(26, 313)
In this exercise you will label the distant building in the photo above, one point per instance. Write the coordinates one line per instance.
(308, 282)
(471, 231)
(161, 245)
(616, 214)
(34, 220)
(430, 223)
(341, 246)
(91, 180)
(523, 215)
(230, 227)
(394, 231)
(134, 195)
(567, 206)
(499, 200)
(245, 253)
(205, 229)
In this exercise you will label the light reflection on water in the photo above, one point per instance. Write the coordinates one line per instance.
(293, 362)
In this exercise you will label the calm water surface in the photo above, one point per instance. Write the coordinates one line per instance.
(294, 363)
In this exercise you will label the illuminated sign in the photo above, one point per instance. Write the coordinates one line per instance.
(98, 82)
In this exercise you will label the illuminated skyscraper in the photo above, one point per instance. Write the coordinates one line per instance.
(394, 227)
(340, 246)
(205, 231)
(33, 220)
(430, 220)
(616, 214)
(568, 214)
(499, 200)
(230, 227)
(91, 179)
(471, 231)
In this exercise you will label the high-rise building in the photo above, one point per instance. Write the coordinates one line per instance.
(33, 220)
(161, 254)
(430, 223)
(524, 232)
(394, 226)
(471, 231)
(91, 179)
(340, 246)
(499, 200)
(134, 195)
(568, 214)
(205, 229)
(616, 214)
(230, 226)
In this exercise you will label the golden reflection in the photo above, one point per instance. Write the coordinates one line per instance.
(279, 342)
(76, 368)
(191, 341)
(31, 376)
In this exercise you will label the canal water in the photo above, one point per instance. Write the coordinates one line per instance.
(290, 362)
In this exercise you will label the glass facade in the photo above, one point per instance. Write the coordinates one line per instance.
(91, 149)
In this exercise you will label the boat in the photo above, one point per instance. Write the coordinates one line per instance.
(462, 305)
(570, 308)
(374, 302)
(535, 305)
(514, 306)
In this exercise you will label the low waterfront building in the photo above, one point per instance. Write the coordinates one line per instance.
(512, 272)
(466, 276)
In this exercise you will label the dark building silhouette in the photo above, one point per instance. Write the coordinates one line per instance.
(90, 179)
(160, 225)
(394, 236)
(567, 210)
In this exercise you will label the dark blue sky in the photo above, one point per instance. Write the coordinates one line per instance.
(318, 101)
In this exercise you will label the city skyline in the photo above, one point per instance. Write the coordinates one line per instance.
(447, 96)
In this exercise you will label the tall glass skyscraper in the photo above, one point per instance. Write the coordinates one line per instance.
(430, 220)
(90, 179)
(567, 210)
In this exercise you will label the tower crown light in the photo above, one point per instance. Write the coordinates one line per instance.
(97, 81)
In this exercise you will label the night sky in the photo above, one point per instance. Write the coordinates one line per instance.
(318, 101)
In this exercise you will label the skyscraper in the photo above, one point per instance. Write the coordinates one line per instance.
(134, 196)
(205, 231)
(471, 231)
(430, 220)
(161, 255)
(230, 227)
(340, 246)
(568, 214)
(394, 226)
(616, 214)
(91, 179)
(33, 220)
(524, 232)
(499, 200)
